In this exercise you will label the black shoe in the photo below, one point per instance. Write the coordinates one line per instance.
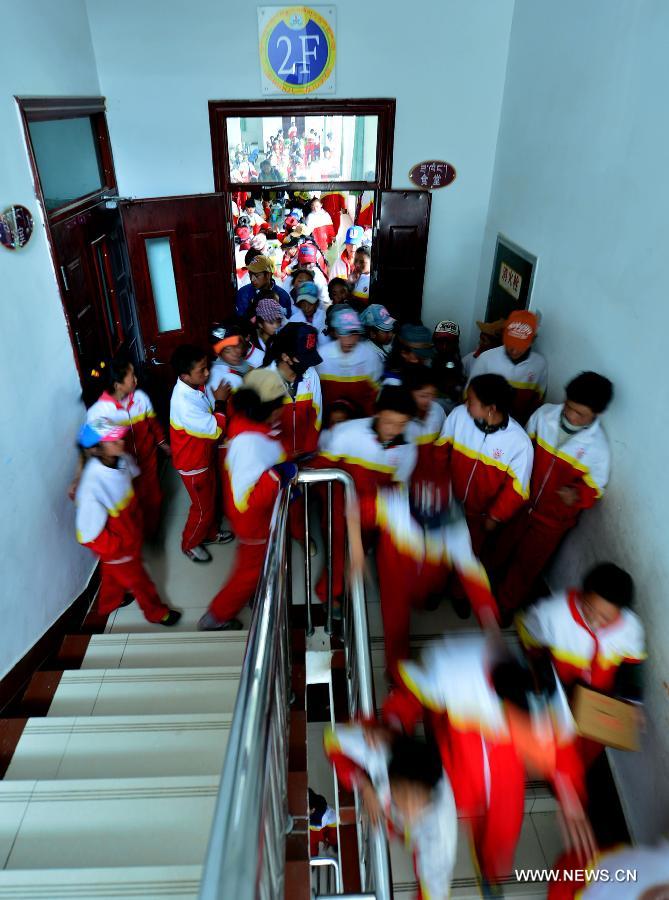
(127, 600)
(223, 537)
(210, 623)
(432, 603)
(170, 618)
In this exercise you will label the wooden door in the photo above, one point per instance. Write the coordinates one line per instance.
(177, 250)
(399, 252)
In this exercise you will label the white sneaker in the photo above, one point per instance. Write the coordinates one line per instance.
(198, 554)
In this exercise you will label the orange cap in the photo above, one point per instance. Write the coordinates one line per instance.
(520, 329)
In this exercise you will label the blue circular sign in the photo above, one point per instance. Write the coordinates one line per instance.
(297, 50)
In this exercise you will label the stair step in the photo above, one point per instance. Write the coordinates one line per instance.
(120, 746)
(114, 692)
(103, 823)
(149, 650)
(135, 883)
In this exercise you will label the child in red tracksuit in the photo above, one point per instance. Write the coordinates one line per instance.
(426, 427)
(123, 403)
(592, 637)
(402, 784)
(254, 472)
(109, 522)
(487, 455)
(374, 452)
(492, 718)
(322, 824)
(421, 539)
(195, 428)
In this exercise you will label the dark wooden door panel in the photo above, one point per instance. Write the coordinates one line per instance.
(196, 230)
(400, 249)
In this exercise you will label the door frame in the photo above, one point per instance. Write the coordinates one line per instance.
(40, 109)
(383, 107)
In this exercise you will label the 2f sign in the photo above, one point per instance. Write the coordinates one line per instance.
(305, 40)
(297, 49)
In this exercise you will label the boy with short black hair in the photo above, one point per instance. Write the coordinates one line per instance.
(338, 291)
(569, 474)
(197, 421)
(402, 783)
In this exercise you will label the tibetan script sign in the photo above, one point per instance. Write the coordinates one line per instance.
(431, 174)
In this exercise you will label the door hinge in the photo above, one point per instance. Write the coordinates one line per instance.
(64, 276)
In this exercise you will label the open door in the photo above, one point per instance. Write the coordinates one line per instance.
(177, 250)
(400, 249)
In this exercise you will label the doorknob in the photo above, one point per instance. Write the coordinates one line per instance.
(156, 362)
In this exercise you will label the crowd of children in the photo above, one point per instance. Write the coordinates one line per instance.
(467, 482)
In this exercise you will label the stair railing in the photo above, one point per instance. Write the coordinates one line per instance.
(245, 857)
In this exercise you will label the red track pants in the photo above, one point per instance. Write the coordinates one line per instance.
(527, 546)
(150, 497)
(131, 577)
(242, 581)
(201, 521)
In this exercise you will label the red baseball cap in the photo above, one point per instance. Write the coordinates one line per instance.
(520, 329)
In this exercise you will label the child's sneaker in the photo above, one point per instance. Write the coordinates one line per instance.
(223, 537)
(170, 618)
(211, 623)
(198, 554)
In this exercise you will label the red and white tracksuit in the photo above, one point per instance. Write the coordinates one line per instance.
(489, 473)
(413, 563)
(528, 378)
(342, 266)
(195, 430)
(109, 522)
(136, 413)
(452, 684)
(221, 373)
(424, 433)
(319, 280)
(249, 490)
(353, 376)
(301, 418)
(334, 203)
(365, 217)
(433, 836)
(583, 462)
(317, 321)
(323, 830)
(321, 227)
(355, 448)
(578, 653)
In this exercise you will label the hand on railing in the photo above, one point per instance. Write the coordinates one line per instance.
(356, 549)
(370, 802)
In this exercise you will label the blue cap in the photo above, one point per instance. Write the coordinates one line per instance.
(93, 433)
(354, 235)
(345, 320)
(307, 291)
(377, 316)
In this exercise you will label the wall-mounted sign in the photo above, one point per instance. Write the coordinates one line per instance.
(16, 226)
(432, 173)
(511, 279)
(297, 49)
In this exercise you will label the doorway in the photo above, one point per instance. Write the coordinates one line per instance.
(280, 154)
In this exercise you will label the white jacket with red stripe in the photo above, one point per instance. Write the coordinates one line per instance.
(578, 652)
(108, 519)
(136, 413)
(529, 378)
(433, 836)
(194, 428)
(490, 473)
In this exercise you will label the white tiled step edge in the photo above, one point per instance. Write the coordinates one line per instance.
(105, 822)
(188, 649)
(121, 746)
(137, 883)
(134, 692)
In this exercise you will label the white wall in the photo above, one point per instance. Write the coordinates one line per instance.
(160, 61)
(581, 179)
(46, 50)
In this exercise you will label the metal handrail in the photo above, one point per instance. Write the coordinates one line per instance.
(320, 862)
(362, 702)
(231, 869)
(251, 808)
